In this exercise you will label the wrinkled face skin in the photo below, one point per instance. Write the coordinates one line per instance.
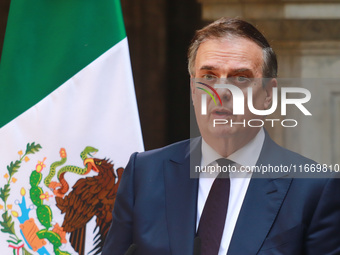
(240, 61)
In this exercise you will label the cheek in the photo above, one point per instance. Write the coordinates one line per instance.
(197, 102)
(259, 99)
(196, 99)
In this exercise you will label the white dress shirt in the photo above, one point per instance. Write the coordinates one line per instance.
(239, 181)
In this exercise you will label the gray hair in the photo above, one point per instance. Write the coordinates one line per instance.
(225, 27)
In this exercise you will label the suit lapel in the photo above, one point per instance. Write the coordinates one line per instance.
(259, 210)
(181, 199)
(261, 205)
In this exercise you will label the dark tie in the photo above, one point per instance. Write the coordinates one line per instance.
(214, 213)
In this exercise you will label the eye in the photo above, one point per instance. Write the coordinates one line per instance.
(209, 77)
(240, 80)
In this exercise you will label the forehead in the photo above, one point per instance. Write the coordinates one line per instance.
(229, 53)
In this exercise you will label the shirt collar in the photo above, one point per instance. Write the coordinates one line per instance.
(246, 156)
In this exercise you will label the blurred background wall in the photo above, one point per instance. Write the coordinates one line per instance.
(304, 33)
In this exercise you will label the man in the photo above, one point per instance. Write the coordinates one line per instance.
(161, 210)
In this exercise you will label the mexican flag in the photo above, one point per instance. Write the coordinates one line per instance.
(68, 124)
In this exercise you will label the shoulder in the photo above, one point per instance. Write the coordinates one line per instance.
(290, 163)
(177, 152)
(166, 151)
(153, 160)
(273, 153)
(146, 168)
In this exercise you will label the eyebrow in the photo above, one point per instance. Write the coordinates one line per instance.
(241, 70)
(210, 68)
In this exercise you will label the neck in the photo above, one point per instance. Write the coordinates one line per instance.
(227, 145)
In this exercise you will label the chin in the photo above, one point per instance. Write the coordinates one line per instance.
(223, 131)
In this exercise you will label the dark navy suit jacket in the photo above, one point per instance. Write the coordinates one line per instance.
(157, 201)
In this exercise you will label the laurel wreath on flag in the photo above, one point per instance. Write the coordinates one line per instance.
(7, 223)
(44, 213)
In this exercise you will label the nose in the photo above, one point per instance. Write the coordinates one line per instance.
(224, 93)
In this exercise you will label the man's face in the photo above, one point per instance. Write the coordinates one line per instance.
(238, 61)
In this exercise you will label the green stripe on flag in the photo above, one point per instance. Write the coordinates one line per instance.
(47, 42)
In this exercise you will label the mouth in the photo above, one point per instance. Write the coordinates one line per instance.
(221, 113)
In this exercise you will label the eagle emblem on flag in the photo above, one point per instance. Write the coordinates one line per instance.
(91, 196)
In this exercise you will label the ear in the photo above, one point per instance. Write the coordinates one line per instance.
(269, 92)
(192, 85)
(193, 88)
